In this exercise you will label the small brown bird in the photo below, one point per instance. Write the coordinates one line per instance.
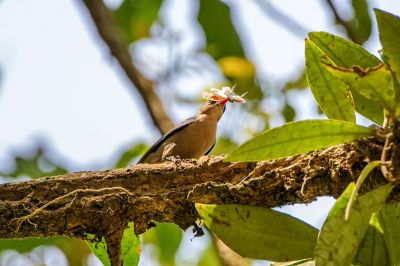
(195, 136)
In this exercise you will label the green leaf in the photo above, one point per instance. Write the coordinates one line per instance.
(389, 33)
(364, 174)
(288, 112)
(260, 233)
(389, 218)
(166, 237)
(130, 246)
(136, 17)
(298, 137)
(368, 108)
(372, 250)
(99, 249)
(342, 52)
(130, 154)
(221, 36)
(331, 93)
(338, 240)
(373, 83)
(361, 23)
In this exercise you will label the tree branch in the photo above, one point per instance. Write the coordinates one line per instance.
(112, 36)
(102, 203)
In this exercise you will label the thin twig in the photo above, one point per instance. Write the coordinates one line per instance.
(286, 21)
(112, 36)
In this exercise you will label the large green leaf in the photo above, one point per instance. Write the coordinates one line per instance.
(136, 17)
(389, 33)
(130, 247)
(339, 239)
(389, 218)
(372, 250)
(344, 53)
(374, 83)
(330, 92)
(166, 237)
(368, 108)
(221, 36)
(260, 233)
(298, 137)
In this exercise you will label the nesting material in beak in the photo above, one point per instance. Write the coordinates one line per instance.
(225, 94)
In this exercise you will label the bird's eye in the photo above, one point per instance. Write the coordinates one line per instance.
(212, 102)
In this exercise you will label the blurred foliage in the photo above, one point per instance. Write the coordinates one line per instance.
(166, 238)
(222, 38)
(224, 145)
(136, 17)
(361, 23)
(34, 165)
(75, 250)
(210, 257)
(129, 155)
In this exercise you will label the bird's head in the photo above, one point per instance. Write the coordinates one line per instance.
(216, 101)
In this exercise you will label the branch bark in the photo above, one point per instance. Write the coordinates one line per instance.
(112, 36)
(102, 203)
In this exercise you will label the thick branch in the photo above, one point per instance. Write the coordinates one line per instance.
(103, 202)
(112, 36)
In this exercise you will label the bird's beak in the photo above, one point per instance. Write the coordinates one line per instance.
(224, 101)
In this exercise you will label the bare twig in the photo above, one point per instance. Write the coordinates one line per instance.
(112, 36)
(288, 22)
(384, 162)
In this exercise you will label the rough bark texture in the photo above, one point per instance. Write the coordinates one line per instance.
(102, 203)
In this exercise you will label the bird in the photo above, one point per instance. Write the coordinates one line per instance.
(195, 136)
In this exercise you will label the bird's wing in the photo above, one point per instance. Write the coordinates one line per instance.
(210, 149)
(159, 142)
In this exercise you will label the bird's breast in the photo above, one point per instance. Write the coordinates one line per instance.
(195, 140)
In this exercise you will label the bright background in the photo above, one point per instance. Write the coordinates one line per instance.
(60, 88)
